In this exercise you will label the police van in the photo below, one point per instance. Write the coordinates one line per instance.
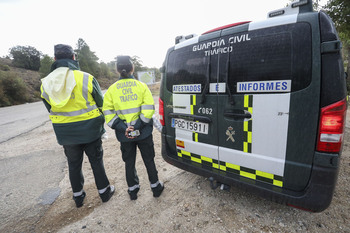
(260, 105)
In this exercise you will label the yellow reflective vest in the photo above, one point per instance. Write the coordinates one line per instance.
(79, 105)
(128, 102)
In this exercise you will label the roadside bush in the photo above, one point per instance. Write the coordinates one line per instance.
(4, 67)
(12, 90)
(4, 101)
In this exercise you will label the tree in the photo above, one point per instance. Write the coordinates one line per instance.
(112, 67)
(137, 65)
(108, 70)
(157, 74)
(104, 70)
(339, 11)
(45, 65)
(26, 57)
(87, 59)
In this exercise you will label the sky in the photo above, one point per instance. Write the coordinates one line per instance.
(113, 27)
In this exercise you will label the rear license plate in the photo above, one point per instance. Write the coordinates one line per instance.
(197, 127)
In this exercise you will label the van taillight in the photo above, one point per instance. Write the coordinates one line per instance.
(331, 129)
(161, 111)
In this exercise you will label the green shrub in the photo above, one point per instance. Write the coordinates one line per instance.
(12, 89)
(4, 67)
(4, 101)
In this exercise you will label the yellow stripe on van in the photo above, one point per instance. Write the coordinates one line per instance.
(193, 103)
(248, 125)
(246, 101)
(249, 137)
(245, 126)
(210, 160)
(195, 137)
(215, 165)
(264, 174)
(278, 183)
(245, 147)
(185, 153)
(248, 175)
(197, 160)
(232, 168)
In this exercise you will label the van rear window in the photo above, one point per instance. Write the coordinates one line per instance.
(186, 67)
(276, 53)
(264, 58)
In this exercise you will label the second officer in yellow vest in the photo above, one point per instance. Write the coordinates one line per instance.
(128, 107)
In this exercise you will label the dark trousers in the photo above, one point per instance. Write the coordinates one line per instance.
(75, 154)
(146, 147)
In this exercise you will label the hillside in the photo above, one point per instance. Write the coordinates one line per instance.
(30, 78)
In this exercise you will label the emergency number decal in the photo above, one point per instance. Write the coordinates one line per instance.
(189, 88)
(264, 86)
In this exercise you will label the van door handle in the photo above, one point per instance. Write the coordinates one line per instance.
(238, 114)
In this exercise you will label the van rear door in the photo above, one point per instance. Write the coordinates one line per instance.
(191, 118)
(270, 113)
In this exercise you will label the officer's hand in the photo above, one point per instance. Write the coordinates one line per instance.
(128, 130)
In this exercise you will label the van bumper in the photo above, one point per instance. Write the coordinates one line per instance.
(316, 197)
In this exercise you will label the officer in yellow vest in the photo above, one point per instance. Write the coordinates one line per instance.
(73, 99)
(128, 107)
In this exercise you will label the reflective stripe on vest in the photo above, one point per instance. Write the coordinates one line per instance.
(142, 116)
(135, 110)
(111, 112)
(129, 111)
(45, 95)
(85, 96)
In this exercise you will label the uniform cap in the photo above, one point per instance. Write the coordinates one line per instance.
(124, 65)
(62, 50)
(124, 60)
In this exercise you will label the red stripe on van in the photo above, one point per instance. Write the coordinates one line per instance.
(226, 26)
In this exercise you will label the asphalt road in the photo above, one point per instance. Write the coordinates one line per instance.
(30, 170)
(20, 119)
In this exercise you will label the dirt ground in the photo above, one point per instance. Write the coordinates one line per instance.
(188, 204)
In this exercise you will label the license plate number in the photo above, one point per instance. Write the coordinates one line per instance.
(197, 127)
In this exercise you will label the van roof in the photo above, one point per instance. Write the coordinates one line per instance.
(287, 14)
